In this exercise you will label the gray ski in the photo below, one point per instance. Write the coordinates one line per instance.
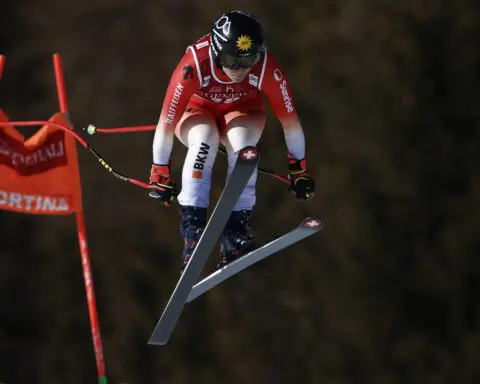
(306, 228)
(246, 162)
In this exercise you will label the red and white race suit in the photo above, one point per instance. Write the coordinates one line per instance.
(228, 112)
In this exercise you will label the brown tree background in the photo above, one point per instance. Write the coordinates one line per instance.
(387, 293)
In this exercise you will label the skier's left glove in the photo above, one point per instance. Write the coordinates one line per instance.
(301, 184)
(162, 185)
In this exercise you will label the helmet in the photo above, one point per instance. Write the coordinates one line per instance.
(237, 40)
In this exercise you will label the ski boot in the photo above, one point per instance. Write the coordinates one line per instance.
(192, 224)
(235, 240)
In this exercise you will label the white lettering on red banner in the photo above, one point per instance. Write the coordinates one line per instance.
(33, 203)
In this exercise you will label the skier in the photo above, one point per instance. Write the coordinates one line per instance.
(215, 96)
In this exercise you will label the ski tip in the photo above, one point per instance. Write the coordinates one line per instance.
(249, 153)
(311, 223)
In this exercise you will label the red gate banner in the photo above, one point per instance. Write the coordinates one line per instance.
(39, 175)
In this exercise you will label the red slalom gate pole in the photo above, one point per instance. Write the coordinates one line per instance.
(60, 82)
(2, 65)
(82, 239)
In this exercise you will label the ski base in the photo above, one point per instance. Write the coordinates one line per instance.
(306, 228)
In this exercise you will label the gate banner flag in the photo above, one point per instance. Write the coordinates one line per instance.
(39, 175)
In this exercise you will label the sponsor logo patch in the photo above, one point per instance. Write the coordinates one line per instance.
(202, 44)
(188, 74)
(200, 160)
(244, 43)
(206, 81)
(253, 80)
(51, 154)
(277, 74)
(33, 203)
(172, 108)
(287, 100)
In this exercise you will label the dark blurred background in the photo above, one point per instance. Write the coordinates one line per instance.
(386, 293)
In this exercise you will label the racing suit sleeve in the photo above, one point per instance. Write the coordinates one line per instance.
(182, 85)
(276, 88)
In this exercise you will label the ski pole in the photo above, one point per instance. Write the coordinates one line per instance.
(87, 146)
(92, 130)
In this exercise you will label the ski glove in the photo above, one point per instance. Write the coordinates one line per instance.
(301, 184)
(162, 185)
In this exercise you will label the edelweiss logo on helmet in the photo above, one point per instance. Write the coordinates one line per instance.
(244, 42)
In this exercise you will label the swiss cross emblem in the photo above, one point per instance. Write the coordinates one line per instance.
(312, 223)
(249, 154)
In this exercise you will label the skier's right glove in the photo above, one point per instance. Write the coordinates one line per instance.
(301, 184)
(162, 185)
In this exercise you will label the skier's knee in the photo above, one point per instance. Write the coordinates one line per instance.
(203, 133)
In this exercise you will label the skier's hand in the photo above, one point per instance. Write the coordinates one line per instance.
(301, 184)
(162, 185)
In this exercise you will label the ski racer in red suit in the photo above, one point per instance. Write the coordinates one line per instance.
(215, 96)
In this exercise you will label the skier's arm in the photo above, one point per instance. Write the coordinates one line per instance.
(276, 88)
(183, 83)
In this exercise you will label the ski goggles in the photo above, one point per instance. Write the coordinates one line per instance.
(235, 62)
